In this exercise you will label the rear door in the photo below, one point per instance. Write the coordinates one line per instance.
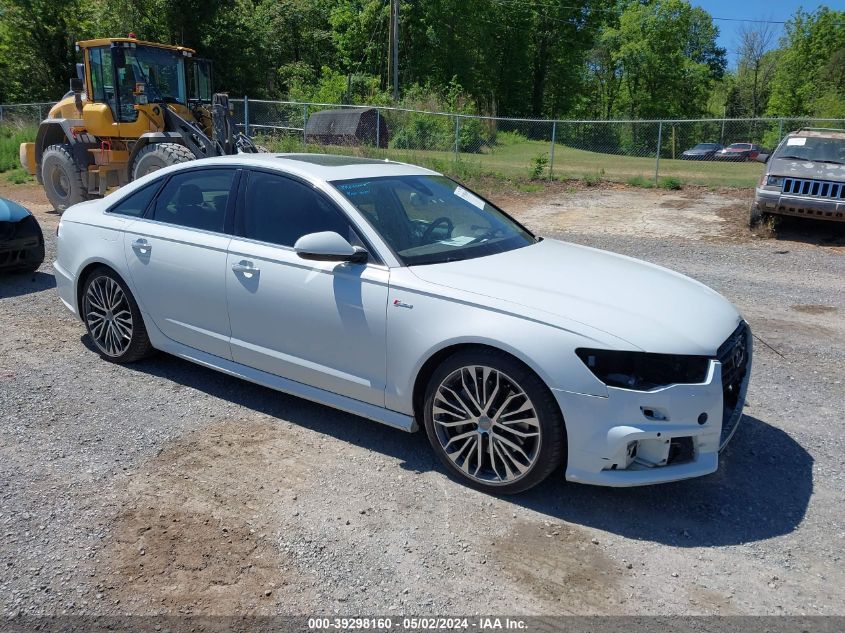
(318, 323)
(177, 258)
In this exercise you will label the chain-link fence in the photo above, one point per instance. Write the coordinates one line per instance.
(645, 152)
(642, 152)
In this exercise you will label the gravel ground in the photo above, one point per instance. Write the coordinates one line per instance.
(164, 487)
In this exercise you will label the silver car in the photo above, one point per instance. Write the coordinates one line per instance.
(804, 177)
(392, 292)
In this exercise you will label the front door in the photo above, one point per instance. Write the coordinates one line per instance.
(318, 323)
(177, 259)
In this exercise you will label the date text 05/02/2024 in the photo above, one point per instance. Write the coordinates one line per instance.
(482, 623)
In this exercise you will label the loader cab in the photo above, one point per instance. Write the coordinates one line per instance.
(123, 73)
(200, 87)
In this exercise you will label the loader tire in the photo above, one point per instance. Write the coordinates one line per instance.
(158, 155)
(63, 179)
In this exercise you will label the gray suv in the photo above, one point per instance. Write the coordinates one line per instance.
(804, 176)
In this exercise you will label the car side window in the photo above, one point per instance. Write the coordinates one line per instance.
(136, 203)
(280, 210)
(196, 199)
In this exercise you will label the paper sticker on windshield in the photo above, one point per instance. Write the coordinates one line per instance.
(469, 197)
(799, 140)
(460, 240)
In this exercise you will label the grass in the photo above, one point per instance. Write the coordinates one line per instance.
(516, 158)
(639, 181)
(11, 137)
(18, 176)
(670, 183)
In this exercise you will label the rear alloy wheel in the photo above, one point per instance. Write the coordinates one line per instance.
(113, 319)
(62, 177)
(159, 155)
(493, 422)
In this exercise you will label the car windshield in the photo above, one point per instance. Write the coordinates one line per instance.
(813, 148)
(432, 219)
(706, 146)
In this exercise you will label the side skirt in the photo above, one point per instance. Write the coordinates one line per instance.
(320, 396)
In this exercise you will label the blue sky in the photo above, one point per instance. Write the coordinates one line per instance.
(779, 10)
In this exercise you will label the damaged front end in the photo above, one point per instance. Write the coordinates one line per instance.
(646, 432)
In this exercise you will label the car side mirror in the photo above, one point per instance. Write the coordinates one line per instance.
(329, 246)
(762, 158)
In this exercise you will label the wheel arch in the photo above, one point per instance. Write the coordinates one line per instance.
(83, 275)
(437, 356)
(49, 133)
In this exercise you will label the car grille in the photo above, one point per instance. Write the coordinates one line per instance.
(735, 356)
(814, 188)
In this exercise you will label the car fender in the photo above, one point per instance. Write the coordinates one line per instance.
(421, 324)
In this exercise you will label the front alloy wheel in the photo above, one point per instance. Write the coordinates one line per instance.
(494, 423)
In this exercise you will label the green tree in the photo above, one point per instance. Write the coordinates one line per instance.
(809, 79)
(668, 57)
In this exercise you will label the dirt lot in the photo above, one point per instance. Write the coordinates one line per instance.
(163, 487)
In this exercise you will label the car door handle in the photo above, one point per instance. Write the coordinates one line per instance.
(245, 267)
(142, 246)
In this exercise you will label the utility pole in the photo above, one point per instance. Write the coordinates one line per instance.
(393, 52)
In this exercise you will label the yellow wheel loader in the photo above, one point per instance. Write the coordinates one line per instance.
(134, 107)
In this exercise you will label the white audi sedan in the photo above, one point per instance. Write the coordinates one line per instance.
(394, 293)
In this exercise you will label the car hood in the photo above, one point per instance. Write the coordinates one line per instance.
(806, 169)
(652, 308)
(12, 211)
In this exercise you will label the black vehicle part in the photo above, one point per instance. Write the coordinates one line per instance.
(158, 155)
(21, 245)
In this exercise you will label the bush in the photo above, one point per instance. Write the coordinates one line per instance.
(423, 131)
(538, 166)
(670, 183)
(591, 180)
(18, 176)
(11, 137)
(640, 181)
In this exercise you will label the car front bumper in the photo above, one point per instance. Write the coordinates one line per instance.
(66, 287)
(769, 201)
(21, 252)
(635, 438)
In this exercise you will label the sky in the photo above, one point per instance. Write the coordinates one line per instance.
(777, 10)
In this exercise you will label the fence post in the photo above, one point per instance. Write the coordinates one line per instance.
(457, 135)
(722, 138)
(1, 114)
(780, 129)
(378, 128)
(246, 116)
(657, 156)
(304, 124)
(552, 151)
(40, 113)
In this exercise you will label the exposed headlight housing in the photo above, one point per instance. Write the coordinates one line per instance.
(774, 181)
(643, 371)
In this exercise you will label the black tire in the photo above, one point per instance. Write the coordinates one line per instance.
(63, 180)
(159, 155)
(551, 452)
(137, 346)
(757, 218)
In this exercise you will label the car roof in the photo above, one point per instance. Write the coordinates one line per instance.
(325, 167)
